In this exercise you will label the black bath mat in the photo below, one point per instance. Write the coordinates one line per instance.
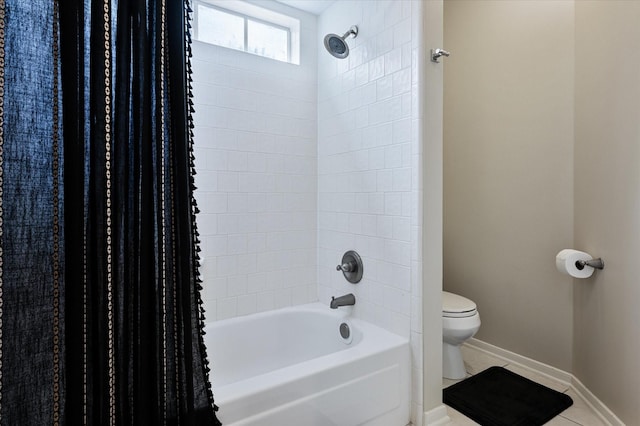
(499, 397)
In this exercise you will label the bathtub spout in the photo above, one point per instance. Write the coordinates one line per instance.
(346, 300)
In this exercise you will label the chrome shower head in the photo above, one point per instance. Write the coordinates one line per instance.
(337, 45)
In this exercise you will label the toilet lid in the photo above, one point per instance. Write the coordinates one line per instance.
(455, 306)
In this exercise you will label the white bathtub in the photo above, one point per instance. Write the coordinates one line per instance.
(291, 367)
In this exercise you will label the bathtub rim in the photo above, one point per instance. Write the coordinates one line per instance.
(375, 341)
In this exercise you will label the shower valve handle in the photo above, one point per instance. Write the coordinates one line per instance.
(351, 267)
(346, 267)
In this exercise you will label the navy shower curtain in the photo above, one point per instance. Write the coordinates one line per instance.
(100, 310)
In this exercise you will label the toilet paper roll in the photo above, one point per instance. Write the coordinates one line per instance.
(566, 263)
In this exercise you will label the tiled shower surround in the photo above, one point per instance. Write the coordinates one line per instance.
(365, 155)
(298, 164)
(256, 162)
(369, 157)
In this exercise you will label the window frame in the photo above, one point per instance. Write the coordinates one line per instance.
(246, 18)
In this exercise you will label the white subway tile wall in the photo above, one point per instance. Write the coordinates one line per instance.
(369, 160)
(256, 162)
(298, 164)
(362, 178)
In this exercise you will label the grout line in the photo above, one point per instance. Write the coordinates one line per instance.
(571, 420)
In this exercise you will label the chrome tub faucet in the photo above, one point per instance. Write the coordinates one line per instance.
(346, 300)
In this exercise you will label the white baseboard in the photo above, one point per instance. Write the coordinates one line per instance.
(605, 414)
(598, 407)
(436, 416)
(523, 361)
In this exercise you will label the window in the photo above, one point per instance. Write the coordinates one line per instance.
(221, 28)
(243, 26)
(267, 40)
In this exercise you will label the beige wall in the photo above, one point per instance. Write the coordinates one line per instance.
(518, 185)
(508, 169)
(607, 202)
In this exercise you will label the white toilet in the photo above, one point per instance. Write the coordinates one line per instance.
(460, 322)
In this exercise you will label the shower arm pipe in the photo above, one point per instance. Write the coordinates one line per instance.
(353, 32)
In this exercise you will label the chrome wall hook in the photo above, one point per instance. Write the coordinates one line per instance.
(437, 53)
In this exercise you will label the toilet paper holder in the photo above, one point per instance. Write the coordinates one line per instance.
(594, 263)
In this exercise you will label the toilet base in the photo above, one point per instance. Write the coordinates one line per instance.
(452, 363)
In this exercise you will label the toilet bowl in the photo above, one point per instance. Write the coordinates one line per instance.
(460, 322)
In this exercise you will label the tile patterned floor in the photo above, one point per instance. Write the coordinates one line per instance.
(476, 361)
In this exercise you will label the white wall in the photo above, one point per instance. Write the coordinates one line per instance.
(508, 169)
(431, 112)
(369, 158)
(255, 147)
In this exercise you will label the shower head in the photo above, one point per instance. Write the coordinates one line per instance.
(337, 45)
